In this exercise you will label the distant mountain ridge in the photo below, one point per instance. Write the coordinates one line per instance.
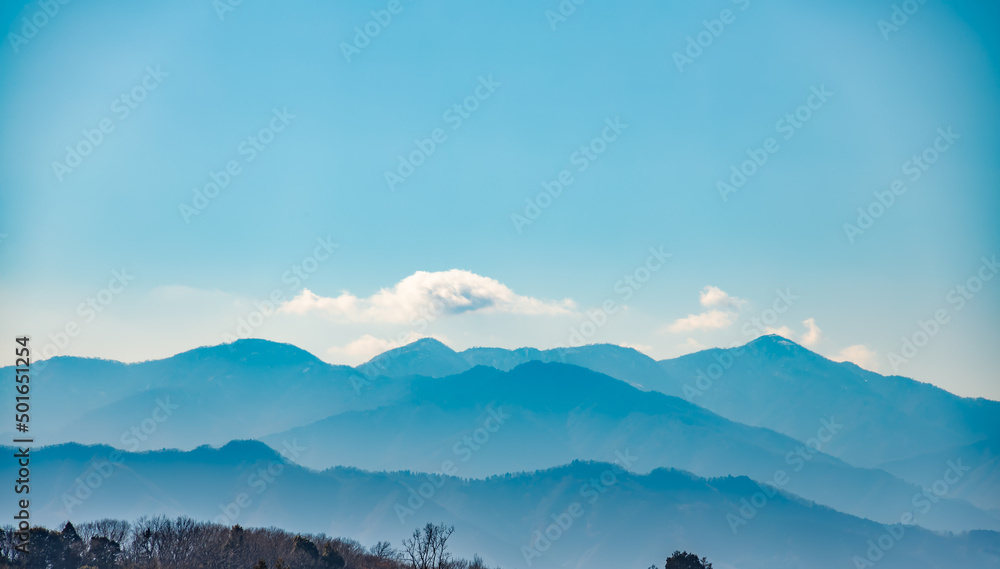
(538, 415)
(770, 382)
(386, 415)
(618, 519)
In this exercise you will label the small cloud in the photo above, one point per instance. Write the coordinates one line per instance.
(809, 338)
(366, 347)
(691, 345)
(721, 317)
(711, 320)
(813, 333)
(784, 332)
(714, 296)
(427, 295)
(860, 355)
(645, 349)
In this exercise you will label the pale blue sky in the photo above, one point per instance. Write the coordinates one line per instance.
(655, 185)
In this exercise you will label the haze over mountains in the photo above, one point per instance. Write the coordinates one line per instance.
(770, 382)
(865, 445)
(610, 517)
(554, 413)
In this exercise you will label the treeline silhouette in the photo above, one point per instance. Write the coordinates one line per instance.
(183, 543)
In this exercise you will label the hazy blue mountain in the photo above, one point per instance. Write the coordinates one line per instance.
(978, 487)
(426, 356)
(611, 518)
(487, 422)
(770, 382)
(776, 383)
(431, 358)
(208, 395)
(255, 388)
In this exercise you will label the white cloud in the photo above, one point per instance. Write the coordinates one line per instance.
(426, 295)
(813, 333)
(860, 355)
(711, 320)
(366, 347)
(784, 332)
(691, 345)
(715, 296)
(809, 338)
(715, 319)
(644, 348)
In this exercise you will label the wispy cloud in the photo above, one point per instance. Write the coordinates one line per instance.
(724, 309)
(691, 345)
(714, 296)
(368, 346)
(711, 320)
(860, 355)
(813, 334)
(427, 295)
(809, 338)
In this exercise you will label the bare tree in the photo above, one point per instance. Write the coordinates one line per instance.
(383, 551)
(427, 549)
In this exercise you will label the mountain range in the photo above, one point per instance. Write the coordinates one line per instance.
(595, 514)
(702, 435)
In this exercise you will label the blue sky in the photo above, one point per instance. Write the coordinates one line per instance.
(446, 232)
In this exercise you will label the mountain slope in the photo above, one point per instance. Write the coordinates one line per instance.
(608, 517)
(978, 487)
(207, 395)
(487, 422)
(769, 382)
(778, 384)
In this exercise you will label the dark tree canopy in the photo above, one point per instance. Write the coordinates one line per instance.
(685, 560)
(182, 543)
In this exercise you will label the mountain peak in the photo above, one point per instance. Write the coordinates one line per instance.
(425, 356)
(428, 344)
(255, 351)
(774, 343)
(423, 345)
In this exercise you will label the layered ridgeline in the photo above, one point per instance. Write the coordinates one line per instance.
(538, 415)
(208, 395)
(770, 382)
(582, 515)
(515, 412)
